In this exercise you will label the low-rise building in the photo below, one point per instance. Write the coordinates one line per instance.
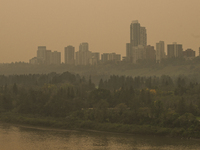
(110, 57)
(174, 50)
(189, 54)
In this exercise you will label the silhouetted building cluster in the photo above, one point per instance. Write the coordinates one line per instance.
(46, 57)
(160, 51)
(81, 57)
(136, 51)
(110, 57)
(174, 50)
(86, 57)
(69, 55)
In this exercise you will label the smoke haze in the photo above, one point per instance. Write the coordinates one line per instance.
(104, 24)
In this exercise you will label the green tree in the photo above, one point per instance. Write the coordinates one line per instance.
(101, 111)
(121, 108)
(181, 106)
(15, 88)
(7, 103)
(97, 95)
(157, 108)
(101, 84)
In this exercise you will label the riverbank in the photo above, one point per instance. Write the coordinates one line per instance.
(75, 124)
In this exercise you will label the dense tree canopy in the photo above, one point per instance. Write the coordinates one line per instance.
(152, 100)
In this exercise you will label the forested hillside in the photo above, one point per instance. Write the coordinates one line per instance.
(171, 67)
(157, 101)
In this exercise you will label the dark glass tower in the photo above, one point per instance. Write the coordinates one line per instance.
(138, 34)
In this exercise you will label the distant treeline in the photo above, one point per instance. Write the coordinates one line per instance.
(157, 101)
(172, 67)
(41, 79)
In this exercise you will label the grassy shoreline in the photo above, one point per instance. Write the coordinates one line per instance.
(65, 124)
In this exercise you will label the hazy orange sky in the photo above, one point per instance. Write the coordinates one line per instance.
(104, 24)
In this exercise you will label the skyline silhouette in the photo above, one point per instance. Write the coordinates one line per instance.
(103, 24)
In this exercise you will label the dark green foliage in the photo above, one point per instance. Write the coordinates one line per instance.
(100, 111)
(101, 84)
(7, 103)
(157, 108)
(41, 79)
(156, 101)
(99, 94)
(181, 106)
(15, 88)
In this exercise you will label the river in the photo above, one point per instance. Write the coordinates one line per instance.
(13, 137)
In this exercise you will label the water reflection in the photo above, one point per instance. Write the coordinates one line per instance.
(23, 138)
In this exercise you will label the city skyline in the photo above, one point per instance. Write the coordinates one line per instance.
(136, 51)
(105, 25)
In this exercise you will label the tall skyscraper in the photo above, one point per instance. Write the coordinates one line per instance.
(150, 53)
(83, 55)
(138, 40)
(137, 52)
(83, 47)
(104, 57)
(138, 35)
(56, 57)
(160, 51)
(174, 50)
(96, 56)
(94, 60)
(135, 33)
(143, 36)
(69, 55)
(41, 53)
(48, 57)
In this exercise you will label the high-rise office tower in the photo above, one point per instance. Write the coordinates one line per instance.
(138, 35)
(104, 57)
(137, 52)
(83, 55)
(138, 40)
(41, 53)
(160, 51)
(135, 33)
(69, 55)
(143, 36)
(174, 50)
(150, 53)
(48, 57)
(83, 47)
(96, 55)
(55, 57)
(110, 57)
(94, 59)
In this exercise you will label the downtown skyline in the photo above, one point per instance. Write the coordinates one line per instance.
(104, 25)
(137, 50)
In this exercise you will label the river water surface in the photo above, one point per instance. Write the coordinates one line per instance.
(14, 137)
